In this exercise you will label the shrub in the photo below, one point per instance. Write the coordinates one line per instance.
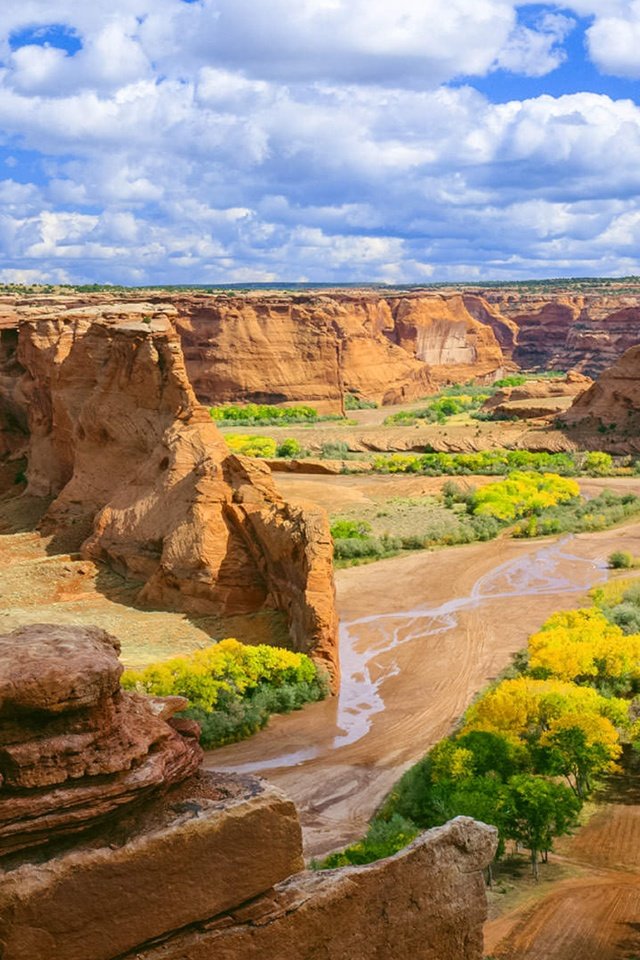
(334, 450)
(620, 560)
(353, 402)
(254, 413)
(522, 494)
(251, 445)
(598, 464)
(289, 447)
(350, 529)
(231, 687)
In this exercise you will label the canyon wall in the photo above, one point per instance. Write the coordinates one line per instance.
(564, 331)
(141, 478)
(608, 413)
(114, 845)
(318, 347)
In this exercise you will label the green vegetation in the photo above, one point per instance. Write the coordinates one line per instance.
(524, 504)
(500, 463)
(579, 516)
(251, 445)
(353, 402)
(532, 748)
(233, 688)
(621, 560)
(261, 414)
(523, 494)
(375, 532)
(619, 601)
(448, 403)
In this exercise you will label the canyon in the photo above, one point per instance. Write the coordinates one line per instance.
(319, 347)
(137, 476)
(79, 755)
(123, 508)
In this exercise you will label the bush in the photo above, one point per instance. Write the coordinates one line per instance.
(289, 447)
(522, 494)
(232, 688)
(265, 414)
(488, 463)
(620, 560)
(251, 445)
(353, 402)
(350, 529)
(334, 450)
(598, 464)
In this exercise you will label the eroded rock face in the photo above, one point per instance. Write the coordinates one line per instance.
(426, 903)
(613, 401)
(138, 467)
(74, 747)
(563, 331)
(311, 348)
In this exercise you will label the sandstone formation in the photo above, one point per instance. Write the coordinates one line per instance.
(74, 747)
(140, 473)
(202, 866)
(612, 402)
(317, 347)
(425, 903)
(537, 398)
(565, 330)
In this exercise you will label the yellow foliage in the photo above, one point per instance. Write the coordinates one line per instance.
(582, 643)
(521, 707)
(523, 493)
(228, 666)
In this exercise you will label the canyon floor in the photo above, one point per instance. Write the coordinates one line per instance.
(421, 634)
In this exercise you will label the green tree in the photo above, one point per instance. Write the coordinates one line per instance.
(534, 811)
(569, 752)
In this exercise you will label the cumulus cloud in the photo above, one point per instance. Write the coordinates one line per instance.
(229, 140)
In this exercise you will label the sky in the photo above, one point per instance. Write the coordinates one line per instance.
(398, 141)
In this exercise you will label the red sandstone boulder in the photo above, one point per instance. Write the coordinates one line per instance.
(74, 747)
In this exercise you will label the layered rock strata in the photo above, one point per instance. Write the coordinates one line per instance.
(74, 747)
(319, 347)
(139, 471)
(537, 398)
(612, 403)
(201, 866)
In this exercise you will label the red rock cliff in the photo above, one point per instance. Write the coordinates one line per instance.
(613, 401)
(117, 437)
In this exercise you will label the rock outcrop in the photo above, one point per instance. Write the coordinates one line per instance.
(426, 903)
(202, 866)
(613, 403)
(141, 476)
(537, 398)
(74, 747)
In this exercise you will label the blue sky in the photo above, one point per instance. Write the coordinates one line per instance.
(215, 141)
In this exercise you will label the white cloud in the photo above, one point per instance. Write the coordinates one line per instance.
(536, 52)
(234, 139)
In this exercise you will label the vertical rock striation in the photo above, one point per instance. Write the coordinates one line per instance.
(140, 472)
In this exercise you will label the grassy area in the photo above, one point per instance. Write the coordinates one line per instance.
(266, 415)
(523, 505)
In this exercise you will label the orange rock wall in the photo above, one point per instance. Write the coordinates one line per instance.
(118, 438)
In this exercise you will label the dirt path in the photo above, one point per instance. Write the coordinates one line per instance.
(420, 636)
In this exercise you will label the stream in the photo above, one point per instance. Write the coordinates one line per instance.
(361, 693)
